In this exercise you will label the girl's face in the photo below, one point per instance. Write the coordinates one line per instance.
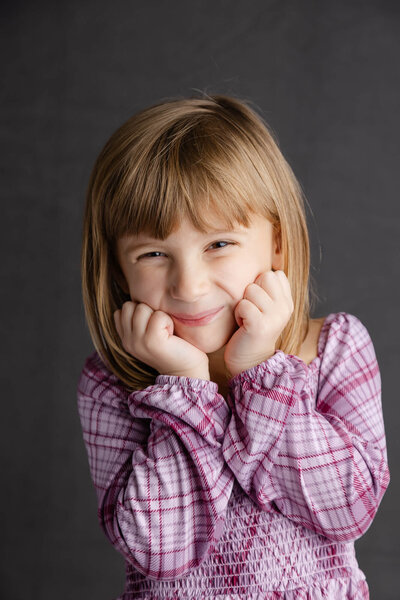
(192, 272)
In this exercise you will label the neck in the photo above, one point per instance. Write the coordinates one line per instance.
(218, 371)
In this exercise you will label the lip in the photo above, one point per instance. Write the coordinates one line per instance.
(199, 319)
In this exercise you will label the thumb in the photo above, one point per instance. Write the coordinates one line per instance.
(160, 322)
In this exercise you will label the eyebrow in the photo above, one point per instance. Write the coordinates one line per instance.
(136, 245)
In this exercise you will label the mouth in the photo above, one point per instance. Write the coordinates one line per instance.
(199, 319)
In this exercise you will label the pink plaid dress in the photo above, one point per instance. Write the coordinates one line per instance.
(259, 497)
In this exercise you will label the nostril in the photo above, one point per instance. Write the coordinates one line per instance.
(189, 287)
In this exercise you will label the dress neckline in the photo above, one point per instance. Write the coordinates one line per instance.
(322, 339)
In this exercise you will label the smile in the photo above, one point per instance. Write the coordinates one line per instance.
(197, 322)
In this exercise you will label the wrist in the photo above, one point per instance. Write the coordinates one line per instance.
(205, 376)
(190, 374)
(236, 369)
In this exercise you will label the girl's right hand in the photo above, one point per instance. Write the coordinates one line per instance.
(147, 334)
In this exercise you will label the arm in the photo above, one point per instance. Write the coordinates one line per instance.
(157, 466)
(321, 462)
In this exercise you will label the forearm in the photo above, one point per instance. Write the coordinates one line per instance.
(157, 465)
(166, 514)
(325, 470)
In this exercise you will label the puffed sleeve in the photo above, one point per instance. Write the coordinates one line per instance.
(313, 450)
(156, 462)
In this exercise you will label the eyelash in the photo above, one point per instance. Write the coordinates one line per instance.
(148, 254)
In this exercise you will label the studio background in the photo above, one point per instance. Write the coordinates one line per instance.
(325, 76)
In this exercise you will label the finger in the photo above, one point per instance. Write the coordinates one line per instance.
(125, 317)
(246, 314)
(281, 275)
(286, 285)
(140, 319)
(258, 296)
(160, 323)
(117, 322)
(270, 283)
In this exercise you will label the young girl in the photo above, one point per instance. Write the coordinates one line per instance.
(236, 445)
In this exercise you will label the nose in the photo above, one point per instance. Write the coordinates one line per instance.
(189, 281)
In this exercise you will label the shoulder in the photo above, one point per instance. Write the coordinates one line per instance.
(343, 333)
(337, 330)
(345, 346)
(97, 382)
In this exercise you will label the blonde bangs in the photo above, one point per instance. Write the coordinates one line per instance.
(203, 176)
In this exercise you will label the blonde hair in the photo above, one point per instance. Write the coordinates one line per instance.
(180, 158)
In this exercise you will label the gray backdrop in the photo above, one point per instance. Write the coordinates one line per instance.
(326, 77)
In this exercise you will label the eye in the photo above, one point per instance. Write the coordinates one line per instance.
(215, 245)
(222, 242)
(151, 255)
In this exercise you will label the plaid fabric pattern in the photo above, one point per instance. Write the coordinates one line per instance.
(319, 458)
(303, 444)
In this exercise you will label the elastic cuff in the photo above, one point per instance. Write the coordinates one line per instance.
(275, 365)
(187, 382)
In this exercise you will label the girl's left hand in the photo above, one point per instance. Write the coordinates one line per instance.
(262, 315)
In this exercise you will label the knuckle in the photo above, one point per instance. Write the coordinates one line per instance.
(251, 288)
(245, 303)
(157, 315)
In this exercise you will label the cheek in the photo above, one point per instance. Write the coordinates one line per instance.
(146, 289)
(238, 278)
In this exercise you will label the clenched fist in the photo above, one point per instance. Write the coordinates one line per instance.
(148, 335)
(262, 315)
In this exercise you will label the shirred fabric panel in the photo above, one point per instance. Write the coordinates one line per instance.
(260, 554)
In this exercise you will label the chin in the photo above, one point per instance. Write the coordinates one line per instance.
(209, 342)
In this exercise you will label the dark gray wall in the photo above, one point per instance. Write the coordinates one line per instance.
(326, 77)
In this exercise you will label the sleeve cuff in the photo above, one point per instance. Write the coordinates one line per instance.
(195, 402)
(275, 366)
(187, 382)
